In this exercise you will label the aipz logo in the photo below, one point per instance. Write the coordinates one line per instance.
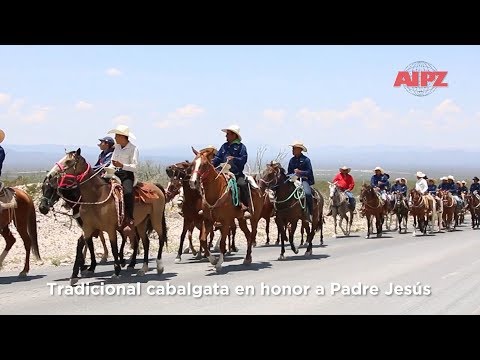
(421, 78)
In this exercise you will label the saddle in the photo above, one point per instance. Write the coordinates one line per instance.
(144, 193)
(7, 198)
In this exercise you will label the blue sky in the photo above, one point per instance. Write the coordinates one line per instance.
(183, 95)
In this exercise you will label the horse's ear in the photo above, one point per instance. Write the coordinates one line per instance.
(79, 151)
(194, 151)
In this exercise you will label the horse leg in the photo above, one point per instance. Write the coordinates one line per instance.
(207, 228)
(334, 215)
(291, 236)
(191, 248)
(253, 233)
(93, 262)
(79, 260)
(282, 229)
(224, 230)
(369, 225)
(182, 238)
(122, 247)
(104, 258)
(302, 232)
(379, 219)
(233, 230)
(112, 235)
(243, 226)
(267, 230)
(10, 239)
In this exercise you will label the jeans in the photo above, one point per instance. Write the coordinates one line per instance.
(351, 198)
(308, 196)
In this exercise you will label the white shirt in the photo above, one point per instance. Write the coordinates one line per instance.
(128, 156)
(421, 185)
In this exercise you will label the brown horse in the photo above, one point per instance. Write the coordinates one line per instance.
(373, 208)
(290, 204)
(218, 205)
(98, 210)
(473, 205)
(400, 210)
(179, 175)
(449, 208)
(24, 219)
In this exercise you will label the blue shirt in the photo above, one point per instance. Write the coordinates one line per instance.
(239, 153)
(474, 186)
(104, 159)
(382, 178)
(443, 186)
(2, 157)
(400, 188)
(303, 164)
(432, 189)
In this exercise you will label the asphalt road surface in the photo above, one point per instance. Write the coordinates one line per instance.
(434, 274)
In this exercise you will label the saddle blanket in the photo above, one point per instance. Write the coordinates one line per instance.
(7, 198)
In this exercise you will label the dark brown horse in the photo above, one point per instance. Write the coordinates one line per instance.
(218, 205)
(290, 207)
(98, 210)
(373, 208)
(24, 219)
(400, 210)
(473, 205)
(179, 175)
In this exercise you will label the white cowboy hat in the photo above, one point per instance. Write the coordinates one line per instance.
(464, 182)
(398, 179)
(450, 177)
(2, 135)
(378, 168)
(420, 174)
(443, 178)
(345, 168)
(298, 144)
(122, 130)
(433, 180)
(235, 129)
(404, 179)
(210, 147)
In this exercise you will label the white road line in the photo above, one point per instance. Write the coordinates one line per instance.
(450, 274)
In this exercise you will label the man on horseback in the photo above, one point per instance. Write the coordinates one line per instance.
(400, 186)
(475, 186)
(125, 159)
(107, 145)
(454, 190)
(301, 166)
(2, 155)
(234, 152)
(346, 184)
(380, 182)
(422, 187)
(444, 184)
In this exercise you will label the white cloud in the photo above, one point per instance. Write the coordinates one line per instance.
(122, 119)
(16, 106)
(37, 116)
(447, 107)
(83, 105)
(275, 116)
(113, 72)
(181, 117)
(4, 98)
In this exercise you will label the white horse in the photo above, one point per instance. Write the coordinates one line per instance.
(340, 206)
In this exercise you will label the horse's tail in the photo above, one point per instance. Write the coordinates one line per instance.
(32, 230)
(164, 220)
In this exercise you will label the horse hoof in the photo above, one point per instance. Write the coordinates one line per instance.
(73, 281)
(334, 236)
(22, 274)
(213, 260)
(254, 244)
(130, 268)
(281, 257)
(234, 249)
(178, 260)
(103, 260)
(198, 256)
(160, 270)
(295, 251)
(186, 251)
(308, 253)
(141, 272)
(247, 261)
(123, 262)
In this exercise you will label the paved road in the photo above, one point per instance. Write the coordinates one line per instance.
(437, 274)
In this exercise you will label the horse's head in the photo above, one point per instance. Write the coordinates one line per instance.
(272, 176)
(70, 170)
(49, 195)
(177, 173)
(333, 189)
(367, 192)
(201, 167)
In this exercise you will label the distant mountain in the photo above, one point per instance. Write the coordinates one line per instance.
(392, 158)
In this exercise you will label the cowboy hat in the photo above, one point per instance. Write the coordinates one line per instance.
(450, 177)
(345, 168)
(122, 130)
(420, 174)
(235, 129)
(476, 178)
(404, 180)
(432, 180)
(397, 179)
(378, 168)
(210, 147)
(443, 178)
(464, 182)
(298, 144)
(2, 135)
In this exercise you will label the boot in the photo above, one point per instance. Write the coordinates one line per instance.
(246, 213)
(129, 225)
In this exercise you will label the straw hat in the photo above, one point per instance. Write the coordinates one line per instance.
(464, 182)
(298, 144)
(404, 180)
(345, 168)
(210, 147)
(420, 174)
(235, 129)
(398, 179)
(450, 177)
(432, 180)
(378, 168)
(2, 135)
(122, 130)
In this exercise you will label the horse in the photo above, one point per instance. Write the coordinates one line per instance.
(24, 219)
(473, 205)
(373, 208)
(400, 209)
(218, 205)
(422, 210)
(179, 176)
(289, 205)
(98, 210)
(449, 208)
(340, 206)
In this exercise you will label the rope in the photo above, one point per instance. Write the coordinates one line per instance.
(297, 194)
(232, 185)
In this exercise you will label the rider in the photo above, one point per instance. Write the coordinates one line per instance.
(125, 159)
(234, 152)
(2, 154)
(475, 185)
(454, 190)
(444, 184)
(380, 182)
(346, 184)
(301, 166)
(432, 188)
(422, 187)
(463, 188)
(107, 145)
